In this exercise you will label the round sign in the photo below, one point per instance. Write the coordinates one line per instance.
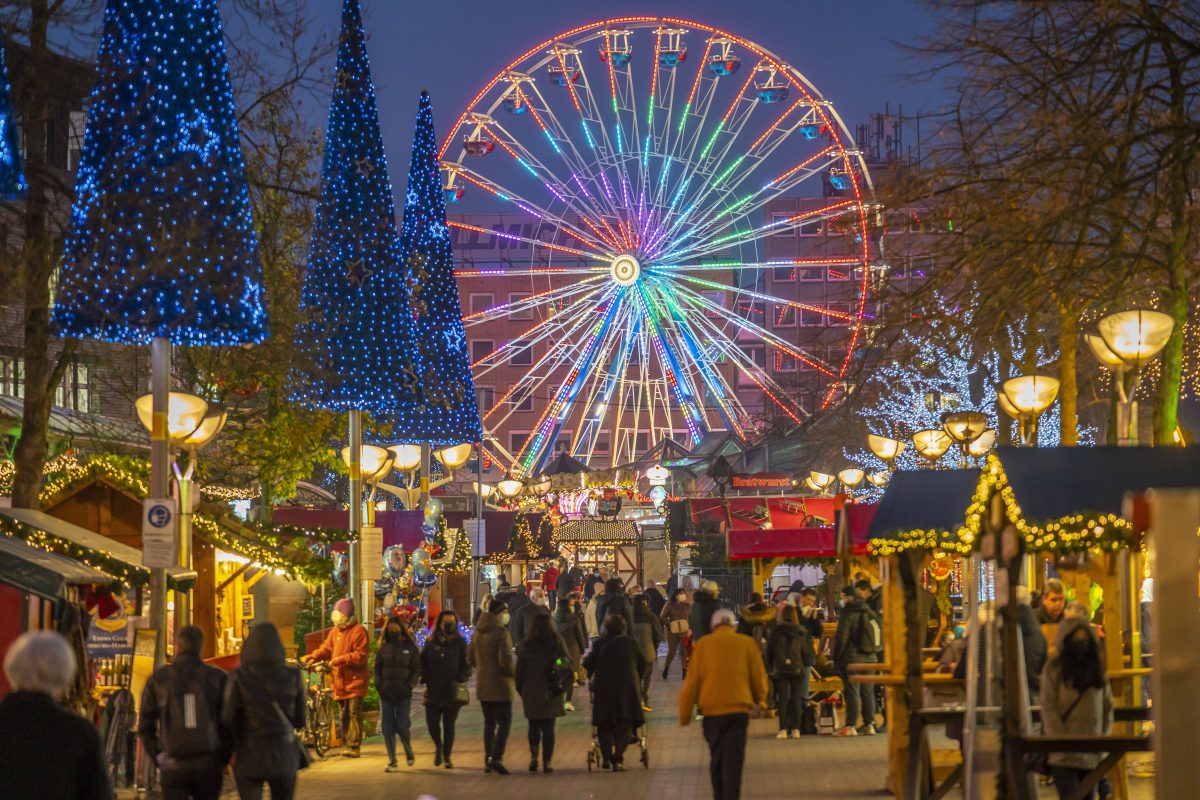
(159, 516)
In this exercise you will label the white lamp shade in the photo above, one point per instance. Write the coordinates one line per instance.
(1102, 351)
(932, 443)
(485, 490)
(408, 456)
(454, 456)
(210, 426)
(877, 478)
(821, 479)
(1008, 407)
(658, 474)
(1136, 336)
(851, 477)
(374, 462)
(808, 482)
(885, 448)
(510, 487)
(984, 443)
(964, 426)
(185, 413)
(1031, 394)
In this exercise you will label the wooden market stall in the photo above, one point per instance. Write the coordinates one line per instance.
(615, 545)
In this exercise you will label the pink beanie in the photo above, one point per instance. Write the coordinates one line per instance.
(345, 607)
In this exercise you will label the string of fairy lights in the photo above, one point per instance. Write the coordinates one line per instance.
(13, 184)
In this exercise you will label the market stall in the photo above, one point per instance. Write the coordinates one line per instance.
(613, 546)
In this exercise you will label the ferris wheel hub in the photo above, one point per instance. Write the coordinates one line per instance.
(625, 270)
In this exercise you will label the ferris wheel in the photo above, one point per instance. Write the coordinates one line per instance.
(646, 154)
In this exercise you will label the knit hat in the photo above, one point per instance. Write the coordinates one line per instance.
(497, 607)
(848, 591)
(345, 607)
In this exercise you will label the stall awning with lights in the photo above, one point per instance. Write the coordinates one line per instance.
(922, 509)
(587, 531)
(120, 560)
(773, 527)
(44, 574)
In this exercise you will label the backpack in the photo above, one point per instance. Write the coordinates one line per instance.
(788, 661)
(189, 728)
(868, 634)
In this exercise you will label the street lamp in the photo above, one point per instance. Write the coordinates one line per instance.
(453, 456)
(885, 449)
(877, 479)
(821, 480)
(657, 475)
(1029, 396)
(932, 444)
(510, 487)
(964, 427)
(851, 477)
(983, 444)
(1128, 340)
(185, 413)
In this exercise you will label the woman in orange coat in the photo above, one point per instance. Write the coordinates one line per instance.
(345, 648)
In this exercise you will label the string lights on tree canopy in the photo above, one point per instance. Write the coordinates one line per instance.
(161, 241)
(12, 174)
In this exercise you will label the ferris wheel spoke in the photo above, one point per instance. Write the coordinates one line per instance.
(595, 131)
(739, 266)
(668, 359)
(541, 330)
(531, 302)
(843, 316)
(752, 328)
(605, 379)
(715, 244)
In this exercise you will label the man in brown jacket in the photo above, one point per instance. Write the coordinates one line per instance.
(345, 648)
(491, 654)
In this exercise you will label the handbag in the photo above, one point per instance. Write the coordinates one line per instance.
(303, 758)
(461, 694)
(679, 626)
(1040, 762)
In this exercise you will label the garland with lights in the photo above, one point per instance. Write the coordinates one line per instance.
(460, 560)
(161, 170)
(522, 534)
(97, 559)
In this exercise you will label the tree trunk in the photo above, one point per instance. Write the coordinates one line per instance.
(1068, 391)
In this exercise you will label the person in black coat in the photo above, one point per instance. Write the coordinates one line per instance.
(191, 762)
(443, 666)
(569, 581)
(568, 618)
(614, 601)
(47, 752)
(543, 672)
(615, 666)
(704, 605)
(655, 597)
(397, 671)
(263, 707)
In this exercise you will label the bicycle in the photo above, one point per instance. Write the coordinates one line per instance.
(320, 708)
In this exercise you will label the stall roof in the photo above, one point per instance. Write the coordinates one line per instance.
(927, 499)
(589, 530)
(89, 539)
(1053, 482)
(45, 574)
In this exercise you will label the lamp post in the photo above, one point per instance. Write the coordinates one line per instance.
(189, 498)
(885, 449)
(371, 463)
(1127, 340)
(1028, 396)
(964, 427)
(878, 479)
(821, 481)
(851, 478)
(169, 417)
(932, 444)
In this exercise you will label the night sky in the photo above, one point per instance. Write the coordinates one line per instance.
(847, 48)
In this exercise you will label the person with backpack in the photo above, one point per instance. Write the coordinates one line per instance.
(263, 707)
(704, 605)
(180, 722)
(789, 657)
(543, 672)
(397, 672)
(345, 648)
(859, 635)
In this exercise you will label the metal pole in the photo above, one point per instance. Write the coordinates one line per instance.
(356, 521)
(160, 458)
(183, 551)
(478, 528)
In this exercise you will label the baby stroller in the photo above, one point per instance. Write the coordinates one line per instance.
(595, 756)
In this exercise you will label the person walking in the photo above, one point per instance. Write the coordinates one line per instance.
(491, 656)
(592, 621)
(180, 722)
(568, 619)
(614, 666)
(615, 601)
(569, 580)
(48, 752)
(592, 583)
(656, 598)
(675, 616)
(854, 643)
(648, 633)
(543, 674)
(263, 707)
(727, 680)
(1076, 701)
(397, 672)
(550, 580)
(345, 648)
(444, 669)
(704, 605)
(538, 605)
(789, 657)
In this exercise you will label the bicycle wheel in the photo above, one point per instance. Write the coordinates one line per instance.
(322, 718)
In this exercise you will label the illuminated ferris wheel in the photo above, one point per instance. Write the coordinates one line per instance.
(647, 153)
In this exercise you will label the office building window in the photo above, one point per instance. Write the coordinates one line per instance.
(520, 354)
(485, 396)
(482, 302)
(520, 314)
(516, 440)
(12, 376)
(783, 316)
(481, 349)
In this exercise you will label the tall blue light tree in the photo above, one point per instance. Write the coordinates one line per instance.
(446, 412)
(356, 338)
(161, 243)
(12, 173)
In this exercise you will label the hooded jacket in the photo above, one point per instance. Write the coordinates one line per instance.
(262, 741)
(785, 640)
(647, 632)
(704, 604)
(1067, 712)
(571, 628)
(491, 654)
(756, 615)
(538, 661)
(397, 667)
(345, 648)
(853, 614)
(443, 664)
(156, 699)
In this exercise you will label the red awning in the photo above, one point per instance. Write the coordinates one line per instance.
(793, 543)
(858, 518)
(772, 527)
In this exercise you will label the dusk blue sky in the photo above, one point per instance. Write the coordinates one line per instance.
(848, 49)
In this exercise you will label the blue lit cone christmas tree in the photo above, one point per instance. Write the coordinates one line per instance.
(446, 412)
(161, 242)
(12, 176)
(357, 334)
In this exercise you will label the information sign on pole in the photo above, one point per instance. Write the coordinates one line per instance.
(371, 540)
(159, 519)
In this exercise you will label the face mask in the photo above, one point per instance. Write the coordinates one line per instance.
(842, 603)
(505, 617)
(449, 628)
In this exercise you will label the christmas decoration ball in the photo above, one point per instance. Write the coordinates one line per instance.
(433, 511)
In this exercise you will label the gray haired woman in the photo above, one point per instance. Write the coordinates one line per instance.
(49, 752)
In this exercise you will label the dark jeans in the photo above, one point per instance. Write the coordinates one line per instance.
(352, 732)
(440, 721)
(552, 598)
(858, 696)
(1066, 779)
(283, 787)
(726, 737)
(396, 722)
(674, 642)
(497, 721)
(614, 738)
(541, 730)
(647, 673)
(790, 696)
(194, 779)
